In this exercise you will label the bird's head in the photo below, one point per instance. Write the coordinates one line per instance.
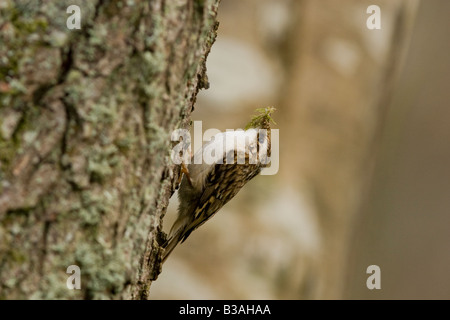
(262, 119)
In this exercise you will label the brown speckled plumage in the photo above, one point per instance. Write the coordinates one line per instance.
(212, 186)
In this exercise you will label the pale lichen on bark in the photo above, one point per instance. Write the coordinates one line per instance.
(85, 119)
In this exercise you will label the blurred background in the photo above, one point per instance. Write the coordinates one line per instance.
(364, 155)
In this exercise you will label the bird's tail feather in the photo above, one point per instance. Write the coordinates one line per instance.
(172, 243)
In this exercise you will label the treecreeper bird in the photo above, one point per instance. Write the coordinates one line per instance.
(229, 161)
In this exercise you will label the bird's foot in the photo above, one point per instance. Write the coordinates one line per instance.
(184, 170)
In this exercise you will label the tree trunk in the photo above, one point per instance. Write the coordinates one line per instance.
(85, 123)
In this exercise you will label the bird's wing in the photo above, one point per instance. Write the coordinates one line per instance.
(216, 184)
(221, 185)
(221, 149)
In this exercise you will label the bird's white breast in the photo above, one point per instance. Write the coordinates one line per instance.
(220, 145)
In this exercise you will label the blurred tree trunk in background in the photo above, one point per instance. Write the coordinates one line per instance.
(338, 87)
(403, 225)
(85, 118)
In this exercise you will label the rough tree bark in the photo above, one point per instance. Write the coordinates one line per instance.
(85, 123)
